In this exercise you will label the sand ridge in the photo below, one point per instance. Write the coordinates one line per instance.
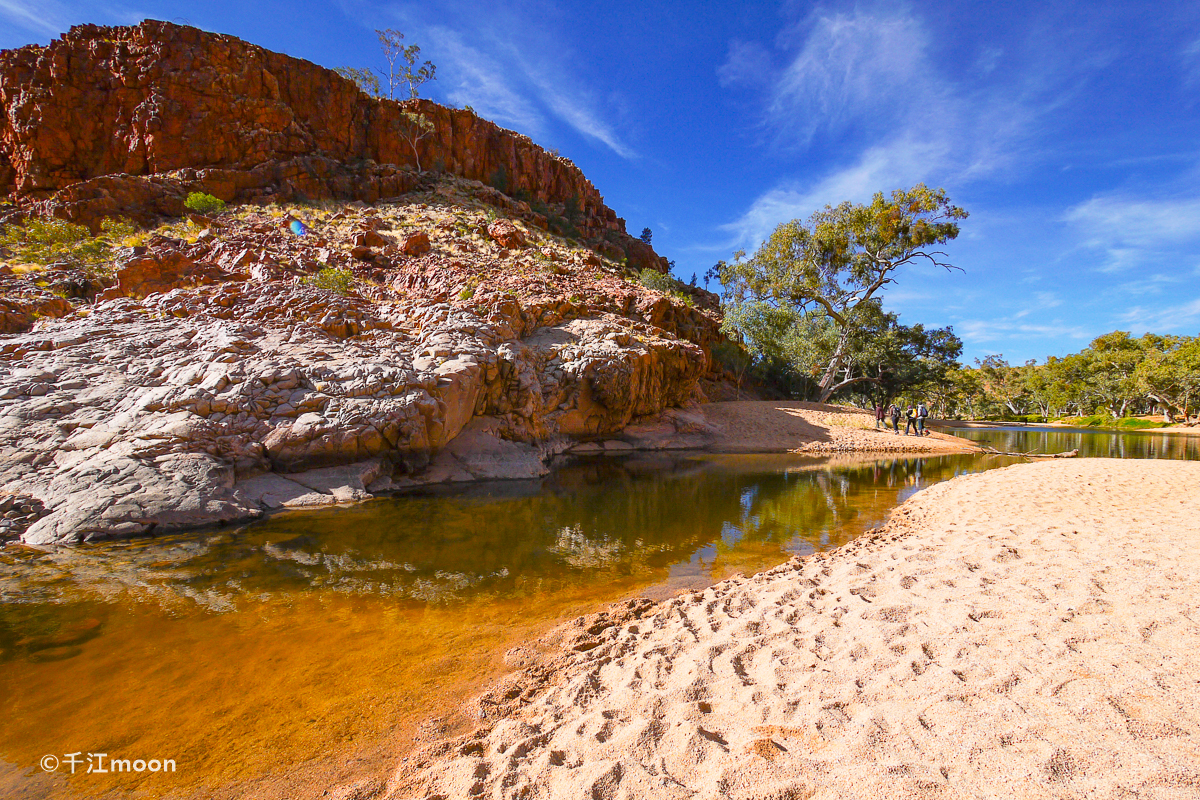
(1025, 632)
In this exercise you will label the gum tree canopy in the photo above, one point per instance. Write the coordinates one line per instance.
(836, 262)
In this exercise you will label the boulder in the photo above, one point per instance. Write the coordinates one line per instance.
(415, 244)
(506, 234)
(161, 271)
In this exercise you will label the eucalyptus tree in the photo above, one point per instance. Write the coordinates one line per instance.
(831, 266)
(1170, 374)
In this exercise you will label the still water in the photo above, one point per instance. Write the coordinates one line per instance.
(1089, 441)
(332, 635)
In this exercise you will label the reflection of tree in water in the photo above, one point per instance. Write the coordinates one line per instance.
(586, 524)
(1105, 444)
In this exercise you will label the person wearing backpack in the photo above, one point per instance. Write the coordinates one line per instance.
(922, 413)
(880, 416)
(910, 420)
(894, 413)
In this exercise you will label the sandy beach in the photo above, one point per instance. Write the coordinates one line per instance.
(1027, 632)
(779, 426)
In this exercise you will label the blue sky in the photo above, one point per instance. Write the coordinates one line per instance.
(1070, 131)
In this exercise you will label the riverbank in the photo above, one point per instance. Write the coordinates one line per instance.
(773, 426)
(1028, 630)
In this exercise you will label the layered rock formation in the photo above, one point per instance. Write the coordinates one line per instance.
(110, 121)
(466, 322)
(228, 366)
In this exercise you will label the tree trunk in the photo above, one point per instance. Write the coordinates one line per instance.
(826, 385)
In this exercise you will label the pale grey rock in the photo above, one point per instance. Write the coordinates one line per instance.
(154, 408)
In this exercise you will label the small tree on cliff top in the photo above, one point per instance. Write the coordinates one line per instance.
(840, 258)
(365, 79)
(402, 68)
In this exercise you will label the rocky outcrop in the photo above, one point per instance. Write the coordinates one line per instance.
(125, 121)
(244, 368)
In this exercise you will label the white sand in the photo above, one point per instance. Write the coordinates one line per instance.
(1027, 632)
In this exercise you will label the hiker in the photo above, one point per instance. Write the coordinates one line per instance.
(922, 413)
(894, 412)
(880, 416)
(910, 420)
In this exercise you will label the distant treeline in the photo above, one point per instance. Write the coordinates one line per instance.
(1115, 376)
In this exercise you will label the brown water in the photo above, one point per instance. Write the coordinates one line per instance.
(326, 638)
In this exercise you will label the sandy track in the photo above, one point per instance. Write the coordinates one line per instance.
(1027, 632)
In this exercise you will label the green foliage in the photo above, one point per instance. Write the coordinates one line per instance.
(366, 80)
(1105, 421)
(647, 235)
(882, 358)
(203, 203)
(56, 241)
(402, 69)
(331, 279)
(667, 284)
(831, 266)
(1101, 385)
(499, 180)
(402, 63)
(412, 128)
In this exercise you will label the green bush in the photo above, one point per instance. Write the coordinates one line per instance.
(203, 203)
(56, 241)
(667, 284)
(339, 281)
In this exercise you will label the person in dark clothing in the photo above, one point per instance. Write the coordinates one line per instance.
(895, 415)
(910, 421)
(922, 413)
(880, 416)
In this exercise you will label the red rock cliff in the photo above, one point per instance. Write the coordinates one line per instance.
(127, 120)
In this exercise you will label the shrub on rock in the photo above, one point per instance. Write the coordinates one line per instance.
(203, 203)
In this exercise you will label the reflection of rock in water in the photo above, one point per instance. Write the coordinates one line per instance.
(42, 637)
(575, 548)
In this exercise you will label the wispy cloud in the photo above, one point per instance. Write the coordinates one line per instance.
(845, 65)
(478, 81)
(1191, 62)
(1041, 302)
(870, 78)
(576, 109)
(44, 17)
(891, 165)
(1179, 317)
(508, 65)
(1130, 231)
(980, 331)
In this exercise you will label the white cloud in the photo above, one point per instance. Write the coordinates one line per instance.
(903, 162)
(508, 65)
(479, 82)
(1185, 316)
(846, 65)
(44, 17)
(1191, 62)
(1131, 231)
(870, 78)
(1042, 301)
(575, 109)
(977, 331)
(748, 64)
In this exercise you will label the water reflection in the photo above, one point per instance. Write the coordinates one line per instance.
(356, 621)
(1090, 443)
(584, 523)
